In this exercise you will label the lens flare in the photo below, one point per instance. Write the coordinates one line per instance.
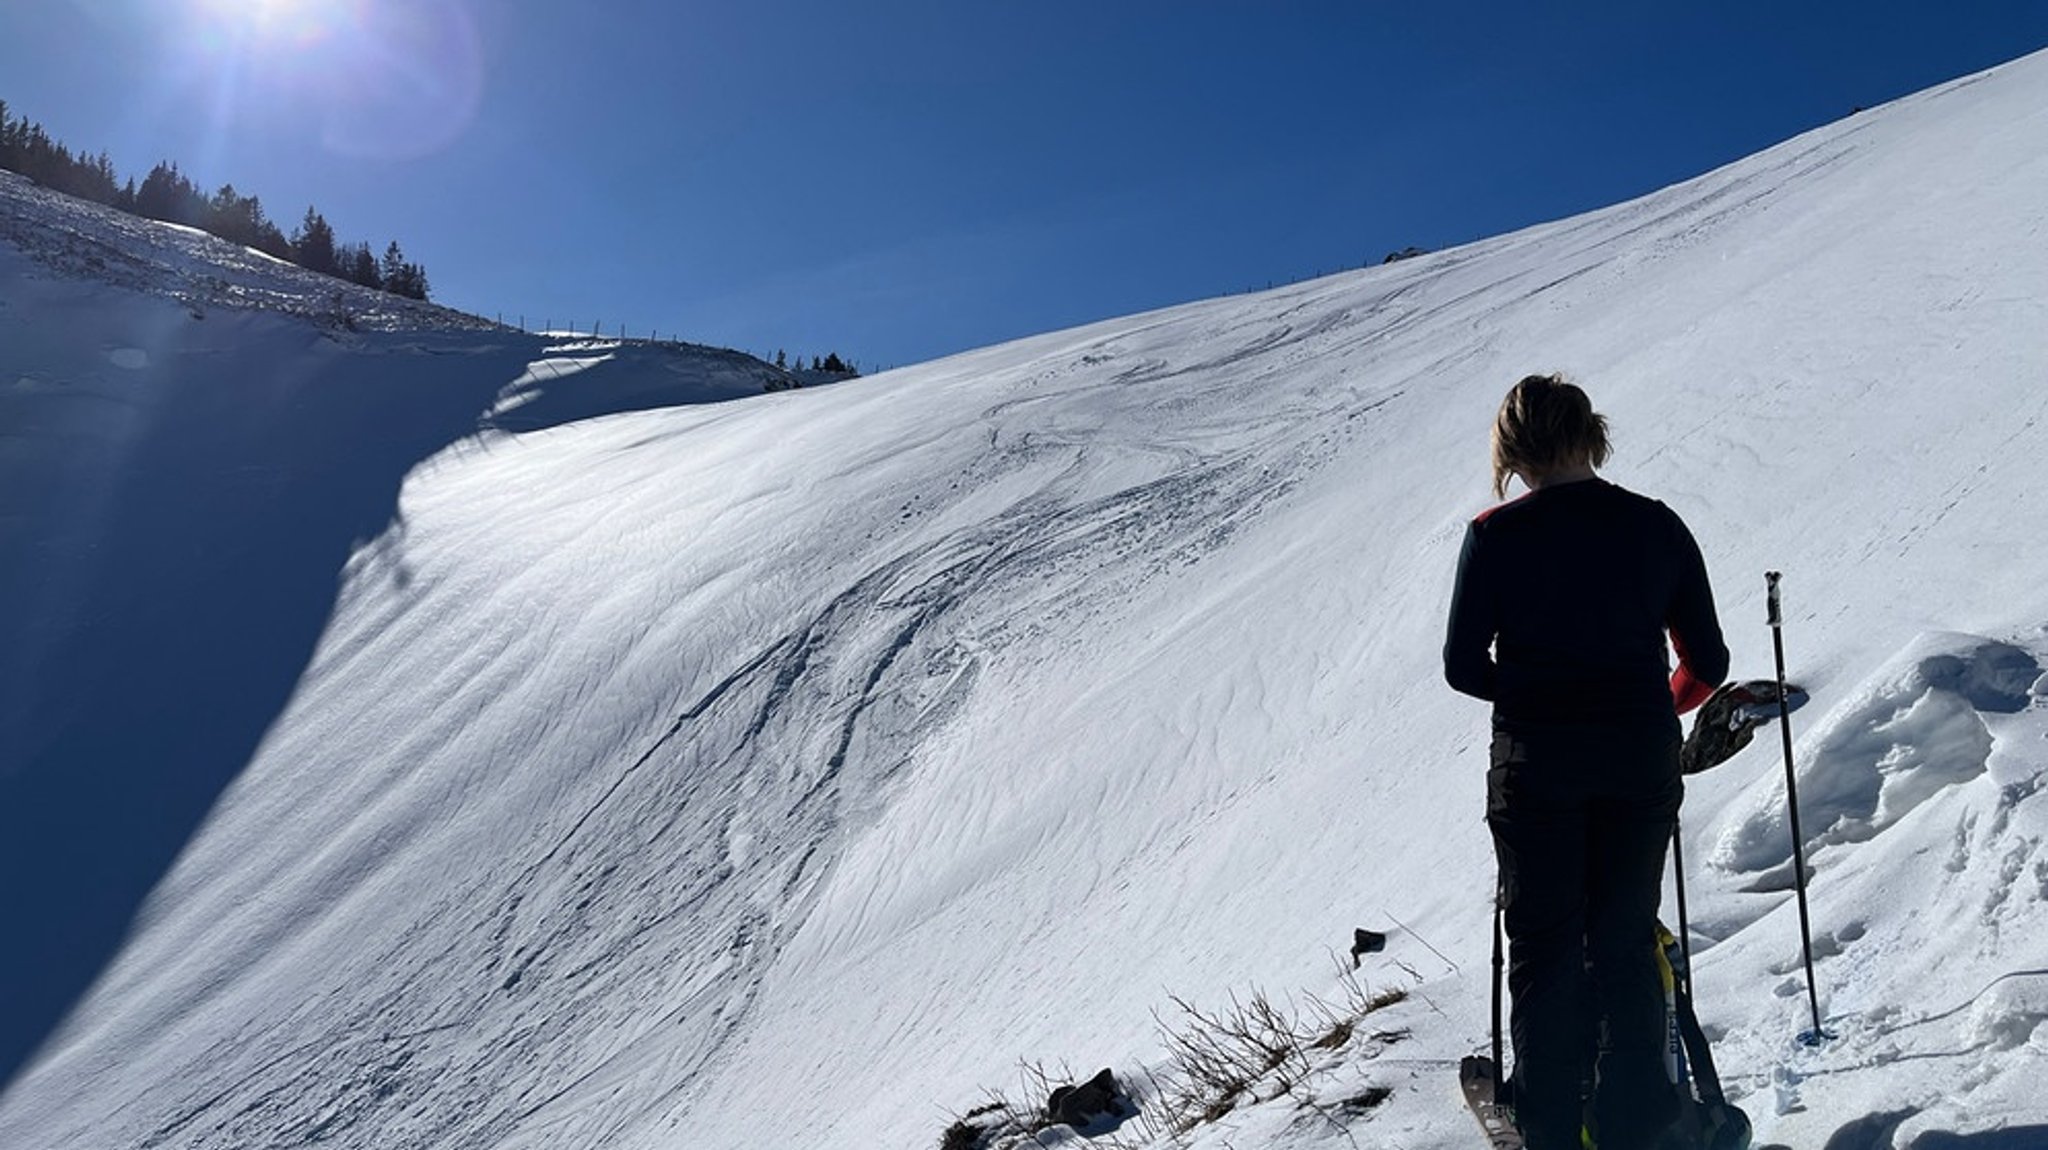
(415, 81)
(386, 79)
(275, 23)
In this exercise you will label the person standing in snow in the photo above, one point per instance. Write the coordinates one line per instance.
(1562, 603)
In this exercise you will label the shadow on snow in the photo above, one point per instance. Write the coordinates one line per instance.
(173, 518)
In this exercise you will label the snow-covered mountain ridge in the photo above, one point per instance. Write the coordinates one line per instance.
(781, 772)
(94, 242)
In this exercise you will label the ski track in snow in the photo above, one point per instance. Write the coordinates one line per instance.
(784, 771)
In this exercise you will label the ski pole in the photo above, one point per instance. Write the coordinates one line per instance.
(1818, 1034)
(1499, 1067)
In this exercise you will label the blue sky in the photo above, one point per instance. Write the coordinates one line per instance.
(897, 180)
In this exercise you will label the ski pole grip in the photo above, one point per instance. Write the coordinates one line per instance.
(1777, 617)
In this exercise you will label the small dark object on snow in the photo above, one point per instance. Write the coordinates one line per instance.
(1075, 1105)
(1364, 942)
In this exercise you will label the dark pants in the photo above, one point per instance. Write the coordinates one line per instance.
(1580, 819)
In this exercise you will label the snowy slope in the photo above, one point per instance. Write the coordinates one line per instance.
(180, 484)
(783, 772)
(95, 242)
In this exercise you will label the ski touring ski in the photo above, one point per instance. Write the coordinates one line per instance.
(1479, 1079)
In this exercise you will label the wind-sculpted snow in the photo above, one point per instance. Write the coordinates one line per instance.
(642, 375)
(177, 495)
(1922, 804)
(784, 771)
(1921, 727)
(638, 869)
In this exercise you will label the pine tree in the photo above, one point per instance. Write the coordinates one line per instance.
(402, 276)
(102, 185)
(393, 269)
(313, 243)
(234, 217)
(265, 236)
(362, 267)
(167, 195)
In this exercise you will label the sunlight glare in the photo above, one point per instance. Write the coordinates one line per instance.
(373, 78)
(275, 22)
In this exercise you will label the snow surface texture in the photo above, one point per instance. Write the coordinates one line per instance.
(178, 490)
(783, 772)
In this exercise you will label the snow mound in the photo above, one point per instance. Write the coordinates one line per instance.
(2011, 1014)
(553, 389)
(1917, 727)
(1925, 813)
